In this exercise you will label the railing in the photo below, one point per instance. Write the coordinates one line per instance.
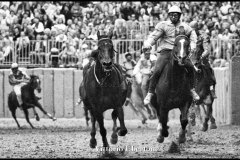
(41, 53)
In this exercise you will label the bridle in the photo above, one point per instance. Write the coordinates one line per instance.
(106, 42)
(101, 43)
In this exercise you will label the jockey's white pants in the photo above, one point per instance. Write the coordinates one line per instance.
(17, 90)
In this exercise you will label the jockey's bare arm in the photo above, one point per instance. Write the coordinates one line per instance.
(13, 80)
(206, 46)
(193, 39)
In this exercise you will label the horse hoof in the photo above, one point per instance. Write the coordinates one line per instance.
(165, 133)
(213, 126)
(174, 148)
(204, 128)
(182, 139)
(160, 139)
(93, 143)
(54, 118)
(114, 140)
(144, 121)
(122, 132)
(37, 118)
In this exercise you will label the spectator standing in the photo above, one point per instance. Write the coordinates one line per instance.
(22, 45)
(47, 22)
(67, 13)
(37, 27)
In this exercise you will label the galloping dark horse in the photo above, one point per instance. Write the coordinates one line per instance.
(103, 89)
(173, 89)
(29, 100)
(206, 98)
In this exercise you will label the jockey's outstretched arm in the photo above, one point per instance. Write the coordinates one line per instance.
(154, 36)
(193, 41)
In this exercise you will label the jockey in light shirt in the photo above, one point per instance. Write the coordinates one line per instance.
(144, 66)
(166, 32)
(17, 79)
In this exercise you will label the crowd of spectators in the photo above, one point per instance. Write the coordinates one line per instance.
(75, 22)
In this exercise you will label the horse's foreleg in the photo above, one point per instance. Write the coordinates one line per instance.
(144, 118)
(206, 118)
(148, 111)
(36, 114)
(114, 137)
(45, 112)
(140, 110)
(153, 111)
(103, 131)
(163, 119)
(93, 141)
(133, 108)
(184, 122)
(27, 117)
(123, 129)
(192, 121)
(212, 119)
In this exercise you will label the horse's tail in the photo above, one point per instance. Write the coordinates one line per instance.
(12, 101)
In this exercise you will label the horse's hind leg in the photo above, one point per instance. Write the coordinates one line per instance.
(114, 137)
(48, 114)
(27, 117)
(163, 119)
(93, 141)
(36, 114)
(86, 115)
(15, 118)
(133, 108)
(123, 129)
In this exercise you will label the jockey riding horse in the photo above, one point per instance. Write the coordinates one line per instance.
(167, 32)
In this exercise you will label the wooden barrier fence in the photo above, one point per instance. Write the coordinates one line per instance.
(60, 94)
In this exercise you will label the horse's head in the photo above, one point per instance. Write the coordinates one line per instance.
(105, 51)
(35, 83)
(181, 48)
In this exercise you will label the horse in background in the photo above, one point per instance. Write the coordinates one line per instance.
(202, 86)
(104, 88)
(173, 89)
(137, 101)
(29, 100)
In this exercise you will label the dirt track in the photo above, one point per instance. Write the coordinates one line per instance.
(69, 138)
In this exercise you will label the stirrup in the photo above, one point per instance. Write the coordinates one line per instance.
(195, 95)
